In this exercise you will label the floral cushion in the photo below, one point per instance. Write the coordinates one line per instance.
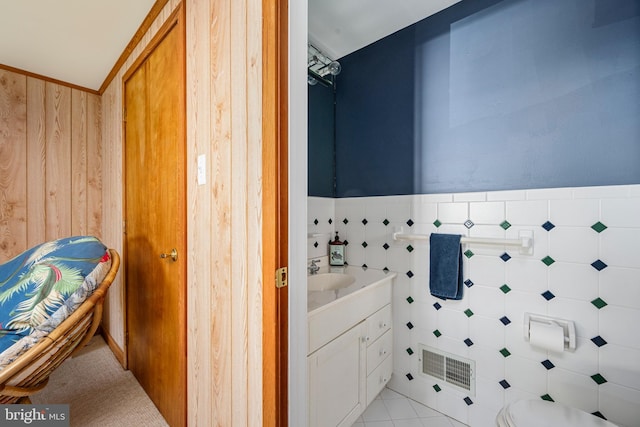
(37, 284)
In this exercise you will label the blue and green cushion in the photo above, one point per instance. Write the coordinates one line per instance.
(37, 283)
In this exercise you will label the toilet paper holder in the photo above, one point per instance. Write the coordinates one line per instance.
(568, 327)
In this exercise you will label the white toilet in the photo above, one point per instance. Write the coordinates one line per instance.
(541, 413)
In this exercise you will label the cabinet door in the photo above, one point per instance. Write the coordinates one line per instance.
(337, 391)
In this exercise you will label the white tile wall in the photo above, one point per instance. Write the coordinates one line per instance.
(573, 245)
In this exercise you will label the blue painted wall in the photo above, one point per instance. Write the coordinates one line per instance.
(494, 95)
(321, 136)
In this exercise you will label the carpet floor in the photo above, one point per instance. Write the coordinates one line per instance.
(98, 391)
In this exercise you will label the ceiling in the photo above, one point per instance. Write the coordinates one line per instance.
(339, 27)
(79, 41)
(74, 41)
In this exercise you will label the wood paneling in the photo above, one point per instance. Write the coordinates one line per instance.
(50, 134)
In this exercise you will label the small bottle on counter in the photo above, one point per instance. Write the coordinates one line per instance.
(336, 251)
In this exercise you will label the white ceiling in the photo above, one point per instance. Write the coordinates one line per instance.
(339, 27)
(79, 41)
(75, 41)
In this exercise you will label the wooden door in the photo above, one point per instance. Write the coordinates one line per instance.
(155, 228)
(275, 208)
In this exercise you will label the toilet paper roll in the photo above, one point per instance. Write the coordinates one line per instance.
(547, 336)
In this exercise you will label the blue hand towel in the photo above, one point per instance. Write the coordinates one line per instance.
(445, 274)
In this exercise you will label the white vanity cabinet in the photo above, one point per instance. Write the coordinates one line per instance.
(350, 359)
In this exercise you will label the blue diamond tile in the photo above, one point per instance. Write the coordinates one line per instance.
(410, 274)
(548, 226)
(599, 265)
(599, 415)
(548, 364)
(315, 221)
(548, 295)
(409, 325)
(365, 266)
(365, 222)
(330, 221)
(409, 377)
(365, 244)
(437, 306)
(410, 223)
(505, 385)
(386, 246)
(505, 257)
(599, 341)
(468, 283)
(386, 222)
(505, 320)
(468, 400)
(345, 221)
(316, 244)
(468, 342)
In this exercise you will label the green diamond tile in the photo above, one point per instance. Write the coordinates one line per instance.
(410, 300)
(437, 223)
(598, 379)
(599, 303)
(548, 260)
(437, 333)
(468, 253)
(410, 248)
(505, 224)
(386, 222)
(547, 398)
(599, 227)
(505, 352)
(437, 388)
(505, 288)
(468, 312)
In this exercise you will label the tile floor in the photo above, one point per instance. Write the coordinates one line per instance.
(391, 409)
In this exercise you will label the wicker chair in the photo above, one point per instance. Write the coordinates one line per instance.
(29, 373)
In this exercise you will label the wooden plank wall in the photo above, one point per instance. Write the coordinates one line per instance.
(50, 162)
(224, 215)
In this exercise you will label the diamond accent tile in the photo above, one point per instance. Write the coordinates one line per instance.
(316, 244)
(386, 269)
(345, 221)
(599, 265)
(330, 221)
(468, 283)
(505, 320)
(315, 221)
(410, 300)
(386, 246)
(547, 398)
(599, 379)
(410, 223)
(548, 295)
(505, 257)
(599, 303)
(505, 288)
(365, 244)
(505, 353)
(468, 342)
(365, 266)
(410, 351)
(599, 415)
(548, 226)
(410, 248)
(437, 223)
(468, 312)
(599, 227)
(365, 222)
(468, 400)
(410, 274)
(409, 377)
(468, 223)
(437, 388)
(410, 325)
(437, 306)
(386, 222)
(548, 364)
(505, 385)
(437, 333)
(599, 341)
(505, 224)
(468, 253)
(346, 242)
(548, 260)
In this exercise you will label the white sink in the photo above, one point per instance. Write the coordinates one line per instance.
(328, 281)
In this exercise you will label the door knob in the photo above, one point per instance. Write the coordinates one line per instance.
(173, 254)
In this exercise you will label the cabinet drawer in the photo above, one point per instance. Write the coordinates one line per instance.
(379, 350)
(378, 323)
(379, 378)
